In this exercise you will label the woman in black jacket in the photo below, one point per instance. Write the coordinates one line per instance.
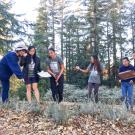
(31, 66)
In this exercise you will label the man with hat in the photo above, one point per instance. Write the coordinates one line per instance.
(9, 66)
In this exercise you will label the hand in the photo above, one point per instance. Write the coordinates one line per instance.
(57, 78)
(22, 80)
(25, 54)
(57, 83)
(134, 56)
(77, 67)
(53, 75)
(131, 82)
(119, 81)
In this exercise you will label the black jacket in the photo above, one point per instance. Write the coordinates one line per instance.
(25, 61)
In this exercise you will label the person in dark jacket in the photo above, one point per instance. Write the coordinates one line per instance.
(31, 66)
(127, 84)
(9, 66)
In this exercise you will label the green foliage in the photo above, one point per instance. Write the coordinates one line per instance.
(74, 94)
(59, 113)
(11, 29)
(15, 83)
(89, 108)
(114, 113)
(41, 34)
(101, 30)
(8, 23)
(21, 91)
(43, 86)
(21, 106)
(63, 112)
(104, 111)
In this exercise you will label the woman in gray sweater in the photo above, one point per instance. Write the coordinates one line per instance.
(95, 70)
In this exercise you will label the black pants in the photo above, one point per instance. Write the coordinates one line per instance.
(57, 89)
(94, 86)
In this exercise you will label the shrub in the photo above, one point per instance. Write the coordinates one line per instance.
(114, 113)
(89, 108)
(21, 92)
(59, 113)
(110, 112)
(15, 83)
(43, 86)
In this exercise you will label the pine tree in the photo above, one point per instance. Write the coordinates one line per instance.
(10, 27)
(41, 40)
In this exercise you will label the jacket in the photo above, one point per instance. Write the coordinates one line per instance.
(25, 63)
(9, 66)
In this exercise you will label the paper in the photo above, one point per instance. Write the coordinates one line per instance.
(44, 74)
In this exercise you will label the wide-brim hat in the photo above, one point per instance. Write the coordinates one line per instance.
(21, 47)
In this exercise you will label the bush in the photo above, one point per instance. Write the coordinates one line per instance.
(89, 108)
(15, 83)
(43, 86)
(75, 94)
(110, 112)
(21, 92)
(21, 106)
(59, 113)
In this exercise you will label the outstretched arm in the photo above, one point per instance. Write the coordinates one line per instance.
(82, 70)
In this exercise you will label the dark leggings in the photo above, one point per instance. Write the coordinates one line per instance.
(57, 90)
(94, 86)
(5, 90)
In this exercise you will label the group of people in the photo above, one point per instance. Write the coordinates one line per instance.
(95, 70)
(12, 62)
(30, 64)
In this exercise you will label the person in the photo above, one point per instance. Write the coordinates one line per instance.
(95, 69)
(9, 66)
(31, 66)
(133, 58)
(127, 84)
(55, 68)
(133, 55)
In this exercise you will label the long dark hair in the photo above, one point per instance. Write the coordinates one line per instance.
(34, 56)
(96, 63)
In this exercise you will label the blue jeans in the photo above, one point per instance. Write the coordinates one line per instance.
(127, 93)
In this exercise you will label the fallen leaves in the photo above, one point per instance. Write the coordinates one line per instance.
(34, 123)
